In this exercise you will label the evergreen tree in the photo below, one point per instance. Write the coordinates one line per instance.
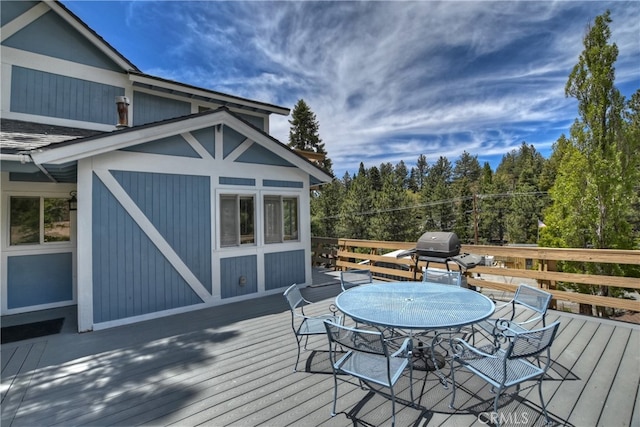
(465, 184)
(304, 134)
(392, 220)
(355, 210)
(325, 209)
(437, 197)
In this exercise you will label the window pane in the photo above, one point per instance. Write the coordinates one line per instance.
(290, 207)
(25, 220)
(228, 221)
(57, 227)
(246, 221)
(272, 220)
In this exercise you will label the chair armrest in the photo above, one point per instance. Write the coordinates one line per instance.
(405, 349)
(461, 347)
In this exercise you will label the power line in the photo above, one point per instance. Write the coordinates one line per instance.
(438, 202)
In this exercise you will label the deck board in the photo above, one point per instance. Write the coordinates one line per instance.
(233, 365)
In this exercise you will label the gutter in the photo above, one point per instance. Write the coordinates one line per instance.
(25, 158)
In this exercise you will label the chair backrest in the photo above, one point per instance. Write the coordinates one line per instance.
(445, 277)
(532, 343)
(350, 278)
(533, 298)
(293, 296)
(359, 340)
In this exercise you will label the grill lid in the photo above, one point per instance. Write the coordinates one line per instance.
(438, 244)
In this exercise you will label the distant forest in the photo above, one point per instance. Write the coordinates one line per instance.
(394, 203)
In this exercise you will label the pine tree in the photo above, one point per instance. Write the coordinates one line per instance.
(304, 134)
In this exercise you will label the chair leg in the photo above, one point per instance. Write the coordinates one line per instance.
(544, 406)
(453, 385)
(335, 394)
(295, 368)
(495, 406)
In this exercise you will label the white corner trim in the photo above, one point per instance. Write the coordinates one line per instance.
(154, 235)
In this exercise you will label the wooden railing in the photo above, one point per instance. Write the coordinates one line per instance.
(509, 266)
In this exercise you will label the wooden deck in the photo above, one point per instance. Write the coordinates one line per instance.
(233, 365)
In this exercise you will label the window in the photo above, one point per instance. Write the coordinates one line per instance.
(280, 219)
(237, 223)
(38, 220)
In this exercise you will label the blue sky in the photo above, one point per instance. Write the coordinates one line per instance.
(388, 81)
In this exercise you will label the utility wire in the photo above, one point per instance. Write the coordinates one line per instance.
(439, 202)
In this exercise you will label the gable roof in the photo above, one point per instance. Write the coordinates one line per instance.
(30, 15)
(92, 36)
(73, 150)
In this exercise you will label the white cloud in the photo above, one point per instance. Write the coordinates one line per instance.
(389, 81)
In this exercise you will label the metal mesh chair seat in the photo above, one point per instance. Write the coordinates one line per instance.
(315, 325)
(366, 366)
(367, 359)
(303, 326)
(351, 278)
(496, 370)
(507, 366)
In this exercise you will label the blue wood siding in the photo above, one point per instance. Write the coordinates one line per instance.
(150, 108)
(282, 184)
(258, 154)
(231, 140)
(39, 279)
(179, 206)
(171, 146)
(255, 121)
(130, 275)
(231, 269)
(51, 35)
(54, 95)
(206, 137)
(10, 10)
(284, 269)
(225, 180)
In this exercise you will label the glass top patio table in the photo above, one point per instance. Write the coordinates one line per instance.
(414, 305)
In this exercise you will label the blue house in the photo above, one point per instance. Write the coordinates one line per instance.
(133, 196)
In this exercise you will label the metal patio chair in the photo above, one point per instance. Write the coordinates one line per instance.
(367, 358)
(351, 278)
(532, 299)
(445, 277)
(507, 366)
(303, 326)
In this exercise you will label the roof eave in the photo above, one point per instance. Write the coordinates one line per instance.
(231, 101)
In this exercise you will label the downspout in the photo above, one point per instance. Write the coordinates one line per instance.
(42, 169)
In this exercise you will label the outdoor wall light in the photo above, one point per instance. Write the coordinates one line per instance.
(242, 281)
(73, 202)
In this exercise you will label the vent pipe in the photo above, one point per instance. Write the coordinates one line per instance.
(122, 102)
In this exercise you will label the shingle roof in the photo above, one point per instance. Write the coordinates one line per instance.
(17, 136)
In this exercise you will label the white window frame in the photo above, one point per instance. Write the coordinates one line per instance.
(275, 233)
(41, 225)
(236, 196)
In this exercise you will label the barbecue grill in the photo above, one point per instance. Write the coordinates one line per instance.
(440, 247)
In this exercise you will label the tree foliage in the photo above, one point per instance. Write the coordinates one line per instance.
(304, 134)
